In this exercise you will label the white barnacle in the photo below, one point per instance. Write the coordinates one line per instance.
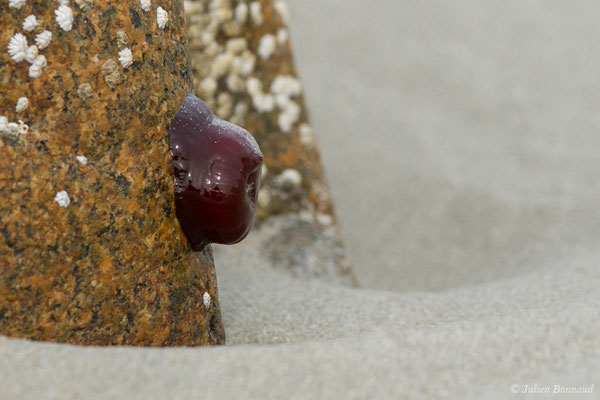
(241, 13)
(23, 128)
(17, 47)
(324, 219)
(13, 129)
(263, 102)
(206, 299)
(306, 134)
(16, 3)
(22, 104)
(288, 116)
(288, 178)
(266, 46)
(125, 57)
(247, 63)
(254, 86)
(282, 35)
(146, 4)
(221, 65)
(31, 54)
(41, 61)
(256, 13)
(286, 85)
(3, 124)
(43, 39)
(62, 198)
(82, 160)
(30, 23)
(162, 17)
(282, 8)
(64, 17)
(35, 70)
(236, 46)
(208, 86)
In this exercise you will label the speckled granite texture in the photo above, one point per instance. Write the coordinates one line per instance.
(244, 70)
(105, 262)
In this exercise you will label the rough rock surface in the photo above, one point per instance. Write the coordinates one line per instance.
(244, 70)
(90, 249)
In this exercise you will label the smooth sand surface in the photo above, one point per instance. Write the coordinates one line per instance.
(460, 138)
(462, 144)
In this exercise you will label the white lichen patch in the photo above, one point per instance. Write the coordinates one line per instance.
(17, 47)
(30, 23)
(82, 160)
(43, 39)
(64, 17)
(206, 299)
(62, 198)
(162, 17)
(266, 46)
(146, 4)
(16, 3)
(22, 104)
(256, 13)
(126, 57)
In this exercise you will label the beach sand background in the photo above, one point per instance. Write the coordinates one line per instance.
(462, 146)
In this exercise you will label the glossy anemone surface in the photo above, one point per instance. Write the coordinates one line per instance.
(217, 169)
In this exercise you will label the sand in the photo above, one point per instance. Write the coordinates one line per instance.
(469, 211)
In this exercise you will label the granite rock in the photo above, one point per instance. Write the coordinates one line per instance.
(90, 249)
(244, 70)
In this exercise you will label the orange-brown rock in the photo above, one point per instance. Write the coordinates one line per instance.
(90, 249)
(244, 70)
